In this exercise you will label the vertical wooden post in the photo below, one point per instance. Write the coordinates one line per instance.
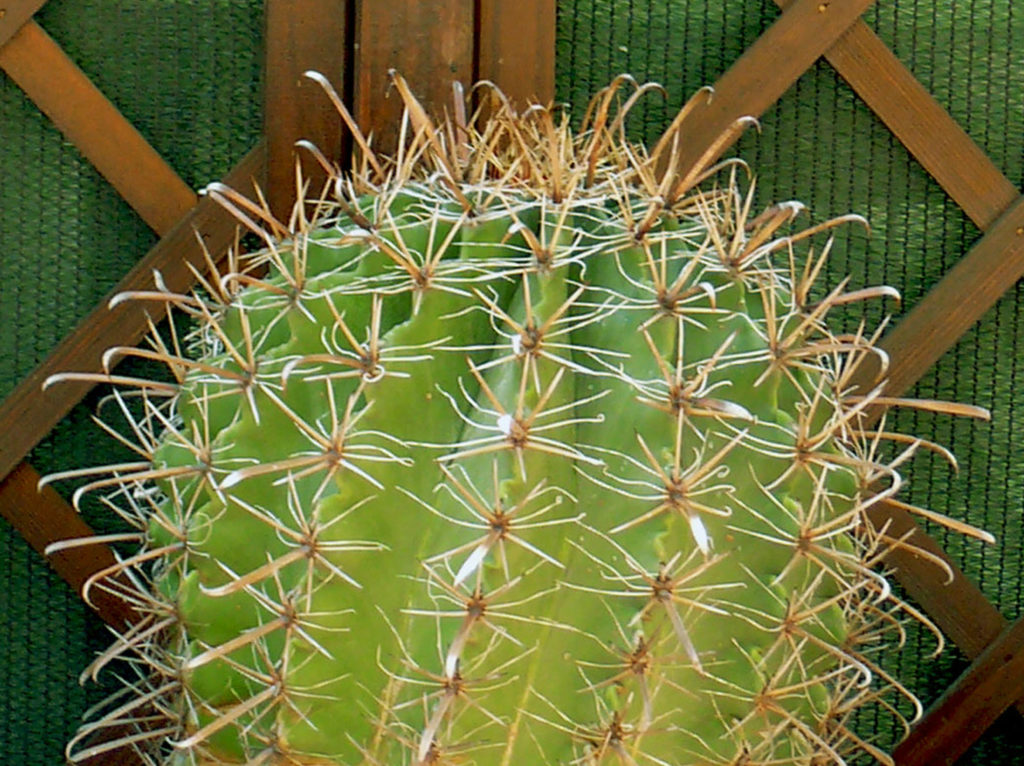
(301, 35)
(516, 48)
(430, 44)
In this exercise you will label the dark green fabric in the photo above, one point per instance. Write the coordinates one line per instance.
(822, 145)
(187, 74)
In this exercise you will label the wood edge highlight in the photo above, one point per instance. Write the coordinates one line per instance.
(43, 517)
(26, 415)
(16, 13)
(94, 125)
(969, 707)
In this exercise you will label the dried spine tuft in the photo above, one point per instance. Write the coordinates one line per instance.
(519, 447)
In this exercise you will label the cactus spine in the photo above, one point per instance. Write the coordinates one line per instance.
(517, 448)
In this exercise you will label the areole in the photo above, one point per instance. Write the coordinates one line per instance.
(530, 446)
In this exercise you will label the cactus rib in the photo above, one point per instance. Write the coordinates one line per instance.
(523, 446)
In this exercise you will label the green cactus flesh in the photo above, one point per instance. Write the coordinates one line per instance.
(521, 451)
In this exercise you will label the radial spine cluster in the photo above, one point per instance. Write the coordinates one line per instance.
(523, 446)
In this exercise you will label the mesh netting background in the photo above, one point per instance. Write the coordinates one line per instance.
(187, 74)
(822, 145)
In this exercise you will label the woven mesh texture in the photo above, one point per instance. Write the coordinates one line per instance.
(822, 145)
(187, 74)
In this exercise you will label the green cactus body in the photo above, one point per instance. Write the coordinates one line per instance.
(554, 468)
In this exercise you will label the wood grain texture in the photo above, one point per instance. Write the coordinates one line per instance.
(43, 517)
(766, 70)
(958, 607)
(933, 326)
(27, 413)
(958, 301)
(970, 706)
(516, 49)
(301, 35)
(84, 115)
(928, 131)
(14, 14)
(430, 44)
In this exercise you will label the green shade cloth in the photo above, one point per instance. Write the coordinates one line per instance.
(187, 74)
(822, 145)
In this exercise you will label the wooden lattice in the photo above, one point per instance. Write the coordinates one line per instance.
(437, 43)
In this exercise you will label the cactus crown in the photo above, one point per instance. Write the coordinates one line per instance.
(522, 446)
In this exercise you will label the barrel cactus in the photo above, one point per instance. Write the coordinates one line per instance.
(523, 446)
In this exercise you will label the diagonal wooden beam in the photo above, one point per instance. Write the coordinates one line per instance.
(964, 294)
(43, 518)
(970, 707)
(14, 15)
(927, 130)
(932, 327)
(755, 82)
(969, 290)
(64, 94)
(152, 188)
(27, 414)
(767, 69)
(307, 34)
(960, 299)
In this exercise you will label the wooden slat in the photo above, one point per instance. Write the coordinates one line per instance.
(516, 48)
(927, 130)
(958, 301)
(14, 14)
(26, 415)
(430, 44)
(964, 171)
(938, 322)
(766, 70)
(82, 113)
(970, 706)
(958, 607)
(970, 288)
(933, 326)
(946, 151)
(307, 34)
(43, 518)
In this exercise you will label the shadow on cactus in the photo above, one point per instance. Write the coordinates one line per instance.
(523, 446)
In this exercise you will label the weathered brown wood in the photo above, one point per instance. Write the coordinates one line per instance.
(307, 34)
(14, 14)
(26, 415)
(927, 130)
(766, 70)
(970, 706)
(62, 91)
(516, 48)
(958, 607)
(976, 184)
(970, 288)
(430, 44)
(43, 518)
(933, 326)
(958, 301)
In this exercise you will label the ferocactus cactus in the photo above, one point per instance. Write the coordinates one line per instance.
(520, 447)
